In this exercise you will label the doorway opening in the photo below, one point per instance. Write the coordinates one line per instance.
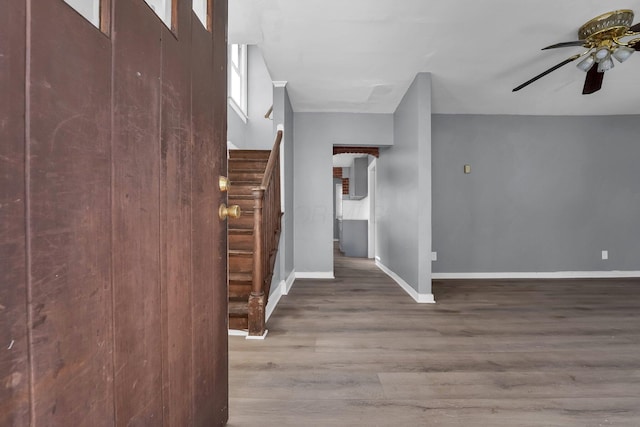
(354, 204)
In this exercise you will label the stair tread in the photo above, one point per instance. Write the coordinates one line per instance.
(244, 286)
(240, 277)
(241, 174)
(245, 204)
(238, 323)
(248, 165)
(244, 196)
(237, 200)
(237, 153)
(244, 183)
(240, 252)
(238, 308)
(241, 231)
(249, 156)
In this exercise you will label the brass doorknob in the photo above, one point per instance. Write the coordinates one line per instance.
(232, 211)
(223, 183)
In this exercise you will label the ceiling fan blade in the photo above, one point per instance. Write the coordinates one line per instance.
(539, 76)
(635, 44)
(635, 28)
(593, 81)
(565, 44)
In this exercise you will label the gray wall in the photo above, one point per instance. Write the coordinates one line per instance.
(258, 132)
(315, 134)
(283, 114)
(403, 203)
(236, 128)
(544, 194)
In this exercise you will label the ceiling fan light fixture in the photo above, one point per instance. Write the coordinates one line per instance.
(605, 65)
(622, 53)
(586, 64)
(601, 54)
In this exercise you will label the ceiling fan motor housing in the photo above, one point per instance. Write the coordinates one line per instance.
(606, 26)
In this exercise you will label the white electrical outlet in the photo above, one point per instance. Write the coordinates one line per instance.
(605, 254)
(434, 256)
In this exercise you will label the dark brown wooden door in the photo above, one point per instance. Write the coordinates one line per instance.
(113, 301)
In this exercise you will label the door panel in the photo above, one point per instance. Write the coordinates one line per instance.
(175, 221)
(69, 168)
(221, 298)
(136, 203)
(209, 237)
(14, 374)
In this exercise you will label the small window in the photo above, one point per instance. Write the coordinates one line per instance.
(164, 9)
(201, 9)
(237, 87)
(94, 11)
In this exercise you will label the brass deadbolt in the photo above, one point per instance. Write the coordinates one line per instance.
(232, 211)
(223, 183)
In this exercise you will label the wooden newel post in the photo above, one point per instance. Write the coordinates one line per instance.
(257, 298)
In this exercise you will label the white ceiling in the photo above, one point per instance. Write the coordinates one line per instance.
(361, 55)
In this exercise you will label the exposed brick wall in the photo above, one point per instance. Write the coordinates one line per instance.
(357, 150)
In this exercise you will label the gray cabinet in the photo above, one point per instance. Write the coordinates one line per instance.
(358, 185)
(354, 237)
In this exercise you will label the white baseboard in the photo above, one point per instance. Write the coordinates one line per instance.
(539, 275)
(261, 337)
(274, 299)
(420, 298)
(283, 289)
(315, 275)
(288, 284)
(245, 334)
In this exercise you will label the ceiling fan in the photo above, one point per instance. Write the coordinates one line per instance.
(605, 37)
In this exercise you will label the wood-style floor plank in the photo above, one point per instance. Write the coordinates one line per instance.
(358, 351)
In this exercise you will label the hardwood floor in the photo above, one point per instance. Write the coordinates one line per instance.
(358, 351)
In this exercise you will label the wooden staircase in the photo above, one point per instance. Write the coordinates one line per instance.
(246, 171)
(254, 236)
